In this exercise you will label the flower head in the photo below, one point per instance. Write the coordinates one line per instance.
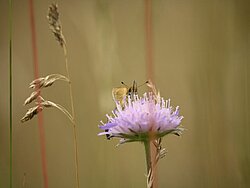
(141, 117)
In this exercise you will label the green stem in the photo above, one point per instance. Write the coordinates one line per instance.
(148, 155)
(10, 74)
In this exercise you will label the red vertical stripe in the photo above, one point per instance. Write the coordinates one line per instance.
(150, 76)
(149, 41)
(36, 75)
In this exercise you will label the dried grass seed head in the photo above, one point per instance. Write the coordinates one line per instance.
(32, 97)
(31, 113)
(47, 81)
(55, 25)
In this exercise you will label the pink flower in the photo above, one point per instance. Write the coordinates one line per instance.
(141, 116)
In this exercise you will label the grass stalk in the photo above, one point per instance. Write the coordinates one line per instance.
(56, 28)
(10, 77)
(73, 117)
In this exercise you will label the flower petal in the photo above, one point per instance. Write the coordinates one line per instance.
(108, 126)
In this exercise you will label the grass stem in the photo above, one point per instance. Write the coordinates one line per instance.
(10, 77)
(73, 117)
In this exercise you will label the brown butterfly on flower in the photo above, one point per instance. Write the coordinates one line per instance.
(121, 93)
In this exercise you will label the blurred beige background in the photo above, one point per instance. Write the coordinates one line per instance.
(201, 61)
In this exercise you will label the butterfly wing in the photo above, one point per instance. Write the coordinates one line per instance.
(119, 94)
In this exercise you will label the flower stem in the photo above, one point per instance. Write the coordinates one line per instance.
(151, 164)
(148, 155)
(73, 118)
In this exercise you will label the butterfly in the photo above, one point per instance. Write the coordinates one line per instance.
(121, 93)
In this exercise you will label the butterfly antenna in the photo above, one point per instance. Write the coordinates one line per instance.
(144, 83)
(124, 84)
